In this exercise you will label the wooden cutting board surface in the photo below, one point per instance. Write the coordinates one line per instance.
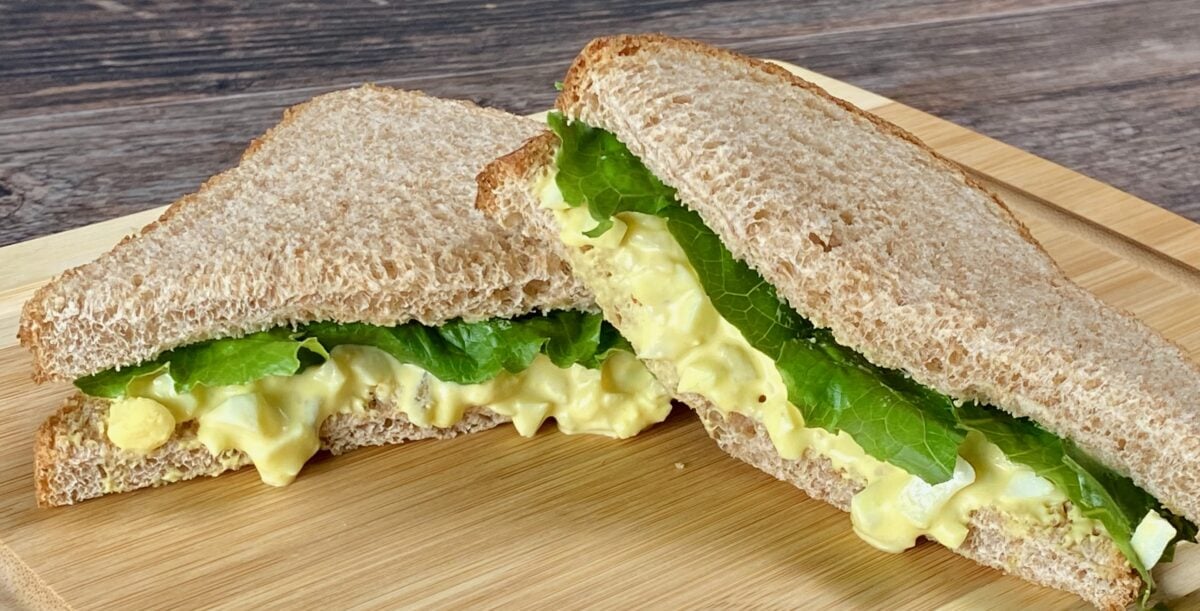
(662, 520)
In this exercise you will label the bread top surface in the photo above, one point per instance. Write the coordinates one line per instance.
(866, 231)
(358, 206)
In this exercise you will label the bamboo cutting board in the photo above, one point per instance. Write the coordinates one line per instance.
(662, 520)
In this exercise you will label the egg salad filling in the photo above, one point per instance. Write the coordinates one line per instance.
(926, 463)
(277, 420)
(267, 395)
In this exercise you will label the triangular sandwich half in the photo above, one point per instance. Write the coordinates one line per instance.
(336, 289)
(850, 312)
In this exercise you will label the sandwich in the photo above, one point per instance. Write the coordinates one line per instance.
(851, 313)
(336, 289)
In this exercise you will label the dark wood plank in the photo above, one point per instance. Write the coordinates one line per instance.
(100, 164)
(114, 52)
(108, 111)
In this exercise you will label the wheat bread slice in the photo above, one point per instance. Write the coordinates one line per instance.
(74, 460)
(355, 208)
(866, 231)
(1047, 554)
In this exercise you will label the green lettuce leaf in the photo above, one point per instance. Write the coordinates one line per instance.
(598, 170)
(221, 362)
(894, 418)
(837, 390)
(474, 352)
(458, 351)
(610, 341)
(238, 360)
(111, 383)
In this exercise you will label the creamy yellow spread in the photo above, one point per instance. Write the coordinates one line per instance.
(277, 420)
(639, 271)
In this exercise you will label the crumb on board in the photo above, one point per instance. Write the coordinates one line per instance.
(680, 466)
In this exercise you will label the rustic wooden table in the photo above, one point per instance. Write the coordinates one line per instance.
(112, 106)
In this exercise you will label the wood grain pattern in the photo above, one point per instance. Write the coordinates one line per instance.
(554, 521)
(107, 54)
(113, 107)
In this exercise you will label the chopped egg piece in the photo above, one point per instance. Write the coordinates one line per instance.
(1151, 537)
(139, 424)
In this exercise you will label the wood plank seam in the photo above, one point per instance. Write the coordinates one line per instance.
(22, 587)
(309, 91)
(1113, 241)
(1001, 14)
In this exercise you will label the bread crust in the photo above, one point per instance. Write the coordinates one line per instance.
(600, 48)
(260, 245)
(74, 460)
(968, 303)
(523, 162)
(502, 191)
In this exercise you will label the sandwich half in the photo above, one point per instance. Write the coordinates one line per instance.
(336, 289)
(849, 312)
